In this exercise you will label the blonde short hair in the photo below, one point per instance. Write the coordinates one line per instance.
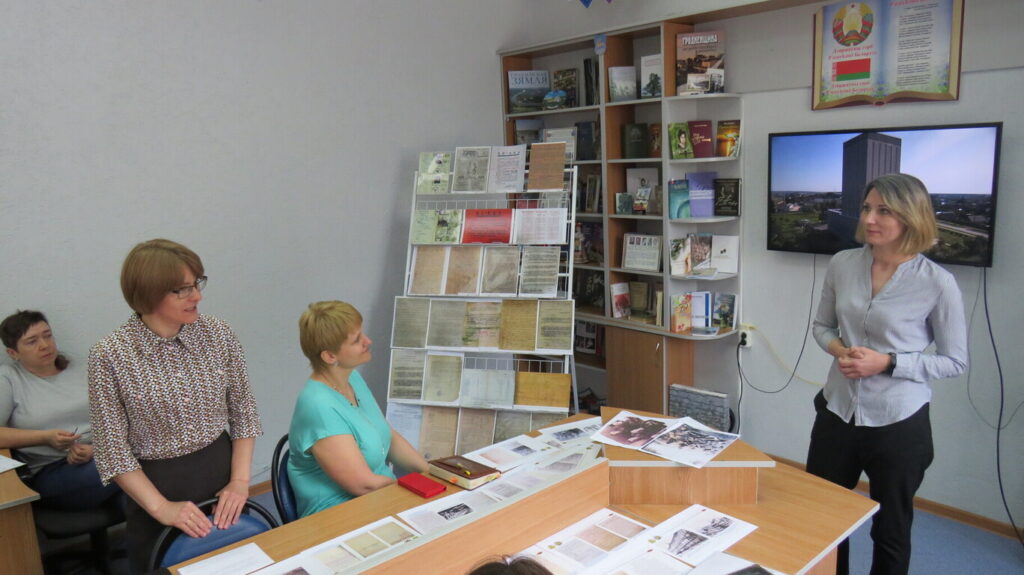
(152, 269)
(908, 199)
(324, 326)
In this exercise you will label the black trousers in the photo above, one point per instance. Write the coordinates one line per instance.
(193, 477)
(894, 457)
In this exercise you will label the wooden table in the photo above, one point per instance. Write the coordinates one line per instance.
(19, 548)
(800, 519)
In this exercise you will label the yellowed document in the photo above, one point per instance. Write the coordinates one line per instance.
(518, 325)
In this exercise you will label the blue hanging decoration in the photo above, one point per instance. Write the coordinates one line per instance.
(586, 3)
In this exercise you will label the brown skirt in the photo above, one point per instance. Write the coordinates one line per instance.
(193, 477)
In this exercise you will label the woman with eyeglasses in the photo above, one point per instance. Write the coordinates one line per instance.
(44, 416)
(174, 419)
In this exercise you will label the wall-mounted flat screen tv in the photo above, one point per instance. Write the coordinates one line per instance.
(816, 185)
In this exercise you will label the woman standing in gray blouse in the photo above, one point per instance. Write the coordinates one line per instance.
(881, 306)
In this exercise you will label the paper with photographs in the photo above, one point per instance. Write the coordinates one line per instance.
(406, 419)
(482, 325)
(462, 274)
(407, 373)
(443, 374)
(410, 328)
(491, 388)
(647, 561)
(725, 564)
(428, 266)
(689, 442)
(446, 323)
(589, 543)
(697, 532)
(434, 173)
(437, 431)
(476, 430)
(244, 559)
(510, 453)
(568, 459)
(543, 226)
(571, 433)
(518, 325)
(470, 171)
(500, 271)
(436, 227)
(539, 274)
(554, 325)
(507, 169)
(440, 513)
(630, 430)
(346, 552)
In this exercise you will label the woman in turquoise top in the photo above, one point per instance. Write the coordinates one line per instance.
(340, 444)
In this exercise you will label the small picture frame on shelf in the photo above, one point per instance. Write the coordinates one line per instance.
(641, 252)
(623, 203)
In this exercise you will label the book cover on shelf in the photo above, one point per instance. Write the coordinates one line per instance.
(657, 202)
(634, 140)
(568, 81)
(493, 226)
(586, 337)
(679, 257)
(463, 472)
(592, 203)
(702, 193)
(470, 173)
(641, 200)
(700, 254)
(567, 135)
(680, 313)
(589, 290)
(696, 54)
(654, 141)
(724, 316)
(586, 141)
(620, 300)
(622, 83)
(639, 293)
(591, 82)
(528, 130)
(727, 138)
(650, 76)
(526, 90)
(579, 254)
(678, 199)
(725, 254)
(701, 313)
(593, 242)
(433, 175)
(680, 147)
(623, 203)
(727, 196)
(506, 169)
(701, 139)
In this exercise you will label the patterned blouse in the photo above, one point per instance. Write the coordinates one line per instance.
(157, 398)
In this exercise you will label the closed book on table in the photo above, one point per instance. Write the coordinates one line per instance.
(420, 485)
(465, 473)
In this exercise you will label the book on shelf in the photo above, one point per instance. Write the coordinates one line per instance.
(634, 141)
(622, 83)
(591, 82)
(489, 226)
(680, 313)
(547, 167)
(700, 62)
(639, 295)
(585, 340)
(465, 473)
(725, 253)
(702, 193)
(641, 200)
(471, 167)
(678, 199)
(567, 81)
(727, 196)
(526, 90)
(700, 254)
(593, 242)
(528, 130)
(679, 257)
(701, 138)
(727, 138)
(641, 252)
(637, 178)
(592, 198)
(589, 289)
(650, 76)
(437, 227)
(680, 147)
(587, 143)
(659, 304)
(724, 315)
(654, 141)
(620, 299)
(656, 205)
(701, 313)
(623, 203)
(567, 135)
(434, 173)
(579, 255)
(507, 169)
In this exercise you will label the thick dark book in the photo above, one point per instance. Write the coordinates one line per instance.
(727, 197)
(634, 141)
(568, 81)
(586, 141)
(702, 138)
(591, 82)
(463, 472)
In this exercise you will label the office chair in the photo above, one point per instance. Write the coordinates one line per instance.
(284, 497)
(173, 546)
(61, 524)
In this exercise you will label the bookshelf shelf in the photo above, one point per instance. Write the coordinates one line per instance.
(635, 161)
(555, 112)
(711, 220)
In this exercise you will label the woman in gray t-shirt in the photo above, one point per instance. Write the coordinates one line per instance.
(44, 415)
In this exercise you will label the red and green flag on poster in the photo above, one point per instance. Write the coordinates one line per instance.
(859, 69)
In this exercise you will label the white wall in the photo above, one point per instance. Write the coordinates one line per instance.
(277, 139)
(770, 63)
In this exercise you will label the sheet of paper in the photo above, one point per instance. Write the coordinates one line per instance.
(510, 453)
(476, 429)
(428, 264)
(689, 443)
(240, 560)
(725, 564)
(554, 325)
(518, 325)
(540, 226)
(500, 271)
(406, 419)
(7, 464)
(630, 430)
(437, 431)
(547, 165)
(489, 388)
(543, 389)
(483, 324)
(463, 274)
(509, 424)
(571, 433)
(443, 375)
(407, 373)
(539, 276)
(410, 327)
(507, 169)
(446, 323)
(437, 514)
(697, 532)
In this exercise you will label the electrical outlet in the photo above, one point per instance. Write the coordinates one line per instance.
(746, 335)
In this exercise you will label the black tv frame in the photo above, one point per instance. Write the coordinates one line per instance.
(814, 241)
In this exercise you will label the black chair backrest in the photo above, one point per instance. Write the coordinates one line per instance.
(284, 497)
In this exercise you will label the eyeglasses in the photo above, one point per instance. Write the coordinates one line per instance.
(187, 291)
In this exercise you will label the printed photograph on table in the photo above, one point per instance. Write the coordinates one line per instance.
(631, 430)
